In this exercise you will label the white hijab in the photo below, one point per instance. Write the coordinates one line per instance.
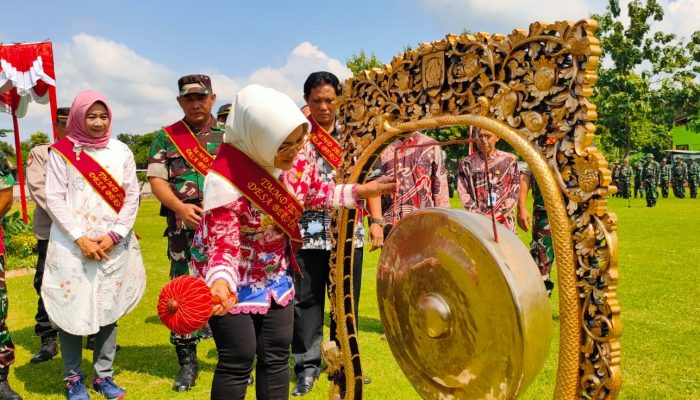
(259, 122)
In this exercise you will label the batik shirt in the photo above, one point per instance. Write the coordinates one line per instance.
(167, 163)
(6, 181)
(505, 181)
(420, 174)
(233, 245)
(314, 224)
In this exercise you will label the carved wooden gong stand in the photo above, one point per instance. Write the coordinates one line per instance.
(531, 89)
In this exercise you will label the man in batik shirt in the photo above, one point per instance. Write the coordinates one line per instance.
(422, 183)
(503, 178)
(179, 188)
(321, 90)
(7, 348)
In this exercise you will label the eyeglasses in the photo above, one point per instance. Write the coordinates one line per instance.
(293, 147)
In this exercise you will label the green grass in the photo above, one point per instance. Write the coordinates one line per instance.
(658, 291)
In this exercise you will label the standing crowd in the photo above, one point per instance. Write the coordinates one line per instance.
(648, 176)
(246, 200)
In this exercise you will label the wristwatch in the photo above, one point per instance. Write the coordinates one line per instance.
(379, 221)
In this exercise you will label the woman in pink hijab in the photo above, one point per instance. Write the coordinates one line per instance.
(94, 272)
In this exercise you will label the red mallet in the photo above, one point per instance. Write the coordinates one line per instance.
(185, 304)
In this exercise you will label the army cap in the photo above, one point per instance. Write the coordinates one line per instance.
(196, 83)
(62, 114)
(649, 155)
(224, 110)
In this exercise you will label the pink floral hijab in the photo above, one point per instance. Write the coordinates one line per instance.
(76, 120)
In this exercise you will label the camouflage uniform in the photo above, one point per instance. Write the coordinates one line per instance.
(638, 188)
(541, 246)
(693, 178)
(625, 180)
(665, 178)
(166, 163)
(679, 174)
(616, 176)
(650, 177)
(7, 348)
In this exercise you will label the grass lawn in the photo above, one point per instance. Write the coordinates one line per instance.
(659, 293)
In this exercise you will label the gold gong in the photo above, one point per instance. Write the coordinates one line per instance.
(465, 317)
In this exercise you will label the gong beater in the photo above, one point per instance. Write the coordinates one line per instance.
(465, 317)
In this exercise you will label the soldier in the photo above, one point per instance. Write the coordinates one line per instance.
(693, 178)
(222, 114)
(638, 188)
(679, 174)
(625, 179)
(36, 177)
(650, 178)
(181, 154)
(665, 177)
(616, 176)
(7, 348)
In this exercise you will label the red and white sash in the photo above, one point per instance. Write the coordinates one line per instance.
(189, 147)
(327, 146)
(262, 189)
(94, 173)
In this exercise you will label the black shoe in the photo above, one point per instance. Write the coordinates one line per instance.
(187, 358)
(6, 392)
(251, 380)
(47, 351)
(304, 385)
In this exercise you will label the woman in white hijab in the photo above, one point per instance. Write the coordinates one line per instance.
(263, 178)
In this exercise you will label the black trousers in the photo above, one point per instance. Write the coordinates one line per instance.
(43, 325)
(238, 339)
(309, 303)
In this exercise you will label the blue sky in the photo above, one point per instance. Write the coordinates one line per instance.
(134, 51)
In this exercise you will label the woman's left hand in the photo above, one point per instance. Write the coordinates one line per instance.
(105, 243)
(377, 187)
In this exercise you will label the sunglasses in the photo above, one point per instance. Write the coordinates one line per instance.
(293, 147)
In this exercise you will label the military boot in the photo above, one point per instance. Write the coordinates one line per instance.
(47, 351)
(6, 392)
(187, 358)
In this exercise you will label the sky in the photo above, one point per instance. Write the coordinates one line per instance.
(134, 51)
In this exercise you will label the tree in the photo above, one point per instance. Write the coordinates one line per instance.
(38, 138)
(360, 62)
(650, 83)
(140, 145)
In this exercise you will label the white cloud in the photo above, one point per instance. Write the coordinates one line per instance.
(502, 16)
(142, 92)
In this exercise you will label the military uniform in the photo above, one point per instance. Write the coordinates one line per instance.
(625, 180)
(541, 245)
(7, 348)
(693, 178)
(638, 188)
(679, 174)
(616, 177)
(650, 177)
(188, 185)
(665, 178)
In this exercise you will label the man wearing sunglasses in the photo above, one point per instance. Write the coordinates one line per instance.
(180, 155)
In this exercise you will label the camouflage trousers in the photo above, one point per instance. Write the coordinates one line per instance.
(651, 193)
(624, 189)
(679, 189)
(7, 348)
(638, 188)
(541, 247)
(664, 188)
(693, 186)
(180, 257)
